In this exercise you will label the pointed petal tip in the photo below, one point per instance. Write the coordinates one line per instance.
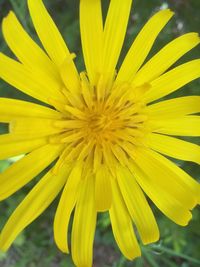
(8, 20)
(153, 238)
(193, 36)
(168, 11)
(185, 221)
(133, 254)
(3, 246)
(6, 17)
(64, 250)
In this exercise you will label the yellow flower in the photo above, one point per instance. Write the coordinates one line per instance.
(101, 127)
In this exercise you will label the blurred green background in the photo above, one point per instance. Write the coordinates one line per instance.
(35, 246)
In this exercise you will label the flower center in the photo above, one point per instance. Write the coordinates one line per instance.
(110, 123)
(101, 125)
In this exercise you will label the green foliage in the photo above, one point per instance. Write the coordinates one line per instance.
(35, 246)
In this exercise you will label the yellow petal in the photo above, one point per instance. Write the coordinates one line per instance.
(87, 90)
(25, 49)
(182, 126)
(13, 178)
(39, 198)
(92, 36)
(180, 106)
(48, 32)
(65, 208)
(114, 33)
(138, 207)
(155, 167)
(184, 179)
(120, 154)
(142, 45)
(173, 80)
(13, 108)
(122, 225)
(84, 224)
(75, 112)
(35, 84)
(50, 36)
(69, 76)
(33, 128)
(109, 157)
(103, 191)
(97, 157)
(174, 147)
(86, 150)
(11, 146)
(166, 57)
(161, 198)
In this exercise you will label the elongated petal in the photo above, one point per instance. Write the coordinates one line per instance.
(114, 33)
(69, 76)
(183, 126)
(91, 25)
(142, 45)
(32, 206)
(109, 157)
(103, 191)
(33, 128)
(25, 49)
(155, 167)
(163, 200)
(173, 80)
(51, 38)
(35, 84)
(12, 108)
(138, 206)
(97, 157)
(122, 225)
(184, 179)
(48, 32)
(180, 106)
(11, 146)
(84, 224)
(24, 170)
(174, 147)
(166, 58)
(65, 208)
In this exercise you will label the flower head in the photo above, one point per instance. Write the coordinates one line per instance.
(101, 129)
